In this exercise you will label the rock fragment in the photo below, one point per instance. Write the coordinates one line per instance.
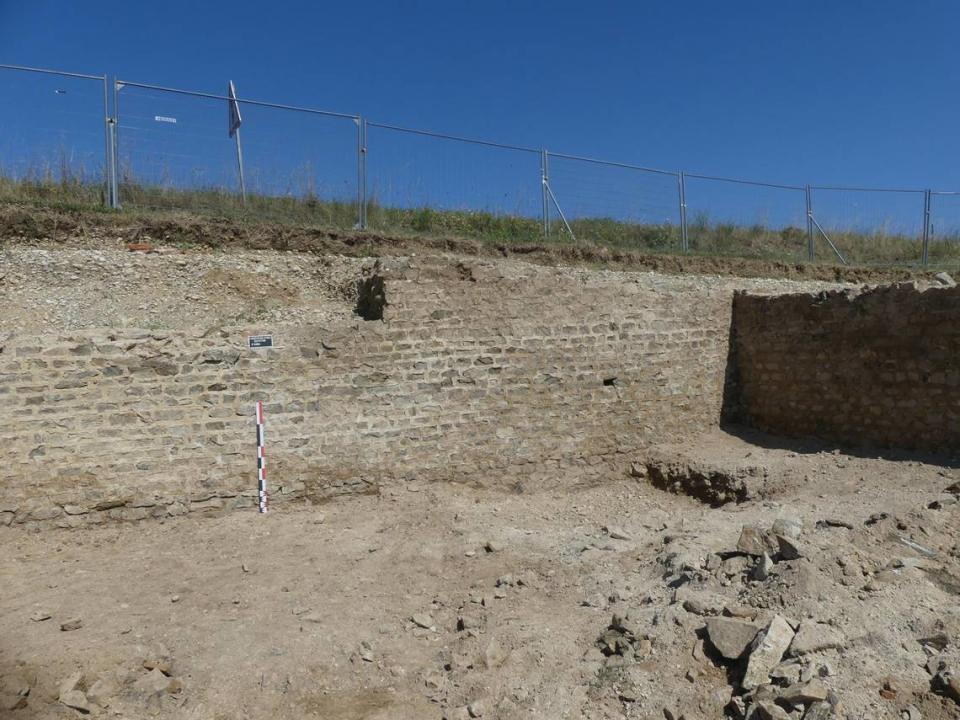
(819, 711)
(40, 615)
(366, 651)
(75, 699)
(731, 637)
(71, 683)
(944, 279)
(12, 701)
(789, 672)
(155, 682)
(495, 655)
(769, 710)
(699, 606)
(834, 523)
(948, 684)
(72, 624)
(756, 542)
(740, 611)
(766, 652)
(103, 689)
(423, 620)
(787, 526)
(468, 622)
(813, 637)
(806, 693)
(734, 566)
(616, 533)
(939, 641)
(763, 568)
(788, 548)
(163, 664)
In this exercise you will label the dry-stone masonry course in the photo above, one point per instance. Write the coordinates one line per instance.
(484, 373)
(879, 368)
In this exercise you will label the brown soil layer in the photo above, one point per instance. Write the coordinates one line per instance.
(19, 224)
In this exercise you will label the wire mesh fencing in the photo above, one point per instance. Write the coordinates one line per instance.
(169, 148)
(613, 204)
(944, 230)
(175, 150)
(52, 139)
(870, 226)
(421, 181)
(727, 216)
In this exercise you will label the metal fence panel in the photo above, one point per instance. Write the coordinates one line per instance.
(614, 204)
(52, 140)
(726, 216)
(170, 148)
(426, 182)
(871, 226)
(944, 227)
(175, 151)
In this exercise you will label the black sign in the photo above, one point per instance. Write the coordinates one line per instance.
(261, 341)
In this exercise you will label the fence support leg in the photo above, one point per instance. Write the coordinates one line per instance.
(560, 211)
(925, 253)
(544, 179)
(811, 253)
(826, 237)
(682, 186)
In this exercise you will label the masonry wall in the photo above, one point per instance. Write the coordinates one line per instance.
(471, 376)
(880, 368)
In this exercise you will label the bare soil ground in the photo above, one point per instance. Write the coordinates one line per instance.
(574, 600)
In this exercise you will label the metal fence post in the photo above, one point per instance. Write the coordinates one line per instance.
(809, 203)
(544, 179)
(925, 253)
(115, 130)
(115, 159)
(361, 172)
(107, 151)
(112, 161)
(682, 188)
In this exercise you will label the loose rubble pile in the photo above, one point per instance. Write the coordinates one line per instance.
(143, 684)
(754, 627)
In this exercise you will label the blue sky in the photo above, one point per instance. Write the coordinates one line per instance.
(859, 93)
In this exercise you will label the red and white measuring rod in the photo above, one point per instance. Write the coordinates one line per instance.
(261, 461)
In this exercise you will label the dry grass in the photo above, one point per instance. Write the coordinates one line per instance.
(706, 238)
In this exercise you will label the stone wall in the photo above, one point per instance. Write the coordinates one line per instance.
(879, 368)
(473, 374)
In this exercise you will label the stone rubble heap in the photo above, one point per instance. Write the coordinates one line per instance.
(765, 654)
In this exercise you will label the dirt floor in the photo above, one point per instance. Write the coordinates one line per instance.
(569, 601)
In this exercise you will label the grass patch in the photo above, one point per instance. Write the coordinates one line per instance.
(706, 238)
